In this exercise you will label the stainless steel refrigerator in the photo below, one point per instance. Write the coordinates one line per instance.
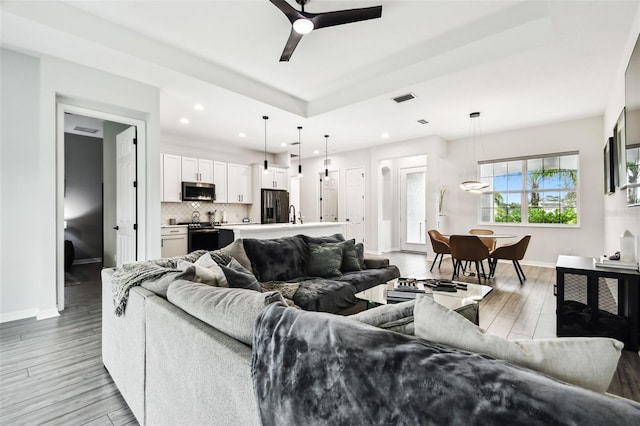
(275, 206)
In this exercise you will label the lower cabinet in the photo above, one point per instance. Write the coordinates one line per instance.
(174, 241)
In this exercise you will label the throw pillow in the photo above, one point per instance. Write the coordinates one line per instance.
(200, 274)
(335, 238)
(230, 310)
(324, 260)
(207, 271)
(238, 277)
(236, 250)
(360, 255)
(589, 362)
(208, 262)
(350, 261)
(159, 286)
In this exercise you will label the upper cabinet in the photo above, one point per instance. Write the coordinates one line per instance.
(238, 183)
(197, 170)
(274, 178)
(220, 180)
(171, 178)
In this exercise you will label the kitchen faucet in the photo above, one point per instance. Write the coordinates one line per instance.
(293, 221)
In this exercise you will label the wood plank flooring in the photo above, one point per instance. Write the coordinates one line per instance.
(51, 371)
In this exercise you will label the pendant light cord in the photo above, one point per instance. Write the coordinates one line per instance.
(326, 155)
(266, 164)
(299, 151)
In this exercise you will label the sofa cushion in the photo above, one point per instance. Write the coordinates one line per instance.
(237, 251)
(314, 368)
(238, 277)
(159, 286)
(324, 260)
(396, 317)
(335, 238)
(360, 255)
(324, 295)
(368, 278)
(230, 310)
(278, 259)
(589, 362)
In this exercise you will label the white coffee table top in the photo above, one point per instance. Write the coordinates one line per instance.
(453, 300)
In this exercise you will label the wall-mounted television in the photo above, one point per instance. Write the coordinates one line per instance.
(630, 156)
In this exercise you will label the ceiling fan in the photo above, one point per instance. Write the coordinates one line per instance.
(304, 22)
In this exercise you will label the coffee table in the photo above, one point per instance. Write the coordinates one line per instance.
(452, 300)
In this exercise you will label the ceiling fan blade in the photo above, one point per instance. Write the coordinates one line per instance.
(291, 13)
(329, 19)
(292, 42)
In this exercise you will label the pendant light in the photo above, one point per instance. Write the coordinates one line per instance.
(299, 152)
(266, 163)
(473, 185)
(326, 158)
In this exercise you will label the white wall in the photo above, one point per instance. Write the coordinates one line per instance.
(35, 164)
(547, 243)
(20, 211)
(617, 216)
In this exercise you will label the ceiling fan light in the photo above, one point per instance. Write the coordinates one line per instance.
(303, 26)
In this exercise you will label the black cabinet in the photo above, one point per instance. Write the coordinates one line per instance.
(586, 317)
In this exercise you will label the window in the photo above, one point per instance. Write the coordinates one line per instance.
(531, 190)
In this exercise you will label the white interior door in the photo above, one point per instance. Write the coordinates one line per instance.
(329, 197)
(126, 207)
(413, 209)
(354, 204)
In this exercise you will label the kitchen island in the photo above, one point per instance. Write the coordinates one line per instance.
(277, 230)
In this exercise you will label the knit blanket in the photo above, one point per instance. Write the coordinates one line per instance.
(312, 368)
(133, 274)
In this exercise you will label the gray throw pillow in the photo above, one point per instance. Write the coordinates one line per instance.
(360, 255)
(237, 251)
(239, 277)
(350, 261)
(324, 260)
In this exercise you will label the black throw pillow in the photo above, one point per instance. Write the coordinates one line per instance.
(238, 276)
(324, 260)
(360, 255)
(350, 261)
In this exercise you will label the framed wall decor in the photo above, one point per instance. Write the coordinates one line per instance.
(610, 166)
(620, 148)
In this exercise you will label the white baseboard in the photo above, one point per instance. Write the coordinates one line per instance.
(47, 313)
(18, 315)
(87, 261)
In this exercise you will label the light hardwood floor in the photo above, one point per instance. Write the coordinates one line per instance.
(51, 371)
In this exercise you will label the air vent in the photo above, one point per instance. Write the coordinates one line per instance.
(423, 121)
(404, 98)
(85, 129)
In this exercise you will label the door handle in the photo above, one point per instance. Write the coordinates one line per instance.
(116, 228)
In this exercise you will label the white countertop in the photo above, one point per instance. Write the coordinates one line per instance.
(273, 226)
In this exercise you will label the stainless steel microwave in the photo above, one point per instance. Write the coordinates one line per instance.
(198, 191)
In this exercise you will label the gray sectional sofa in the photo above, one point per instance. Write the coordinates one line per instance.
(206, 355)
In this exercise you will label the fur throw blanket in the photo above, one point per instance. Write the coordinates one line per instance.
(311, 368)
(133, 274)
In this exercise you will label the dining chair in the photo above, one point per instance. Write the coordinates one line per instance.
(440, 245)
(513, 252)
(468, 248)
(489, 242)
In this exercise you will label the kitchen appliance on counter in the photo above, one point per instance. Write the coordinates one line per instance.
(275, 206)
(198, 191)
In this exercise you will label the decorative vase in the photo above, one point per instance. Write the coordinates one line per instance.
(627, 247)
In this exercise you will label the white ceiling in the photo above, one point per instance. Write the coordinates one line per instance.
(519, 63)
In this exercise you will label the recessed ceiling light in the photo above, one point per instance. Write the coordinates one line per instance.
(184, 120)
(283, 144)
(242, 135)
(315, 151)
(198, 107)
(384, 135)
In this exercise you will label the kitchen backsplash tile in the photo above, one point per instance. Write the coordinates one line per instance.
(182, 212)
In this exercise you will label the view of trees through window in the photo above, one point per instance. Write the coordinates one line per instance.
(531, 190)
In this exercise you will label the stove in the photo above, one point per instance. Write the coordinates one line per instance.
(198, 225)
(202, 235)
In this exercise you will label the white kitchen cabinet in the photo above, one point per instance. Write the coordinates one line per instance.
(174, 241)
(274, 178)
(197, 170)
(171, 178)
(220, 181)
(238, 183)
